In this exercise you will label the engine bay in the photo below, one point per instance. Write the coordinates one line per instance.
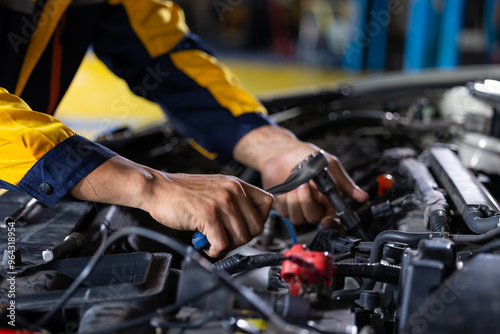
(418, 257)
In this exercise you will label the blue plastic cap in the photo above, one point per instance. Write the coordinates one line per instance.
(200, 241)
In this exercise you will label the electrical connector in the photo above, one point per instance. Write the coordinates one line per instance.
(303, 266)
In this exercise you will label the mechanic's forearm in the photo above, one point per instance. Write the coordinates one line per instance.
(116, 181)
(265, 143)
(228, 211)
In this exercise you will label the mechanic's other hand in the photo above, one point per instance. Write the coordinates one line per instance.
(227, 210)
(306, 203)
(274, 152)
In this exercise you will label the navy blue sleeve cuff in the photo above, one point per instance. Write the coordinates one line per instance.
(61, 168)
(231, 130)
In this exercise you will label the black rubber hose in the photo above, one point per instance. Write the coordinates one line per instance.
(365, 246)
(242, 263)
(412, 239)
(464, 238)
(352, 294)
(479, 224)
(382, 238)
(409, 238)
(375, 271)
(488, 248)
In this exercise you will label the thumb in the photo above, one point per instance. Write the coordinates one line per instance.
(262, 200)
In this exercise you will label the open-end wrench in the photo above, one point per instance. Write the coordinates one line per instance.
(314, 167)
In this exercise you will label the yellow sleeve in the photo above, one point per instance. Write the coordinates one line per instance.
(160, 25)
(25, 136)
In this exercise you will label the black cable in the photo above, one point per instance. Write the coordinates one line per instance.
(465, 238)
(161, 238)
(241, 263)
(376, 271)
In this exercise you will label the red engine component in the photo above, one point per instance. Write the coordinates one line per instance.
(303, 266)
(385, 183)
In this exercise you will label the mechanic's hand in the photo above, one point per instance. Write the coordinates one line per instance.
(274, 152)
(227, 210)
(307, 203)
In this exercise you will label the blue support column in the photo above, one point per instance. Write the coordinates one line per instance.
(358, 39)
(376, 28)
(421, 38)
(490, 25)
(451, 23)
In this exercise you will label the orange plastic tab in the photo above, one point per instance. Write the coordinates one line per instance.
(385, 183)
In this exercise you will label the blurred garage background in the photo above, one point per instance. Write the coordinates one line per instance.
(277, 45)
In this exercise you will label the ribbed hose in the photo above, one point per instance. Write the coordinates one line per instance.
(241, 263)
(376, 271)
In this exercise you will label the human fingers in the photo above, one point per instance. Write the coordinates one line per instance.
(242, 212)
(228, 228)
(246, 212)
(344, 182)
(216, 235)
(302, 204)
(295, 213)
(236, 212)
(330, 222)
(257, 210)
(312, 210)
(280, 204)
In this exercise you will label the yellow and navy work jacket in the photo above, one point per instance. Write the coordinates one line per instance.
(145, 42)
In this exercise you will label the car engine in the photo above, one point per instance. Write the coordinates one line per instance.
(420, 256)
